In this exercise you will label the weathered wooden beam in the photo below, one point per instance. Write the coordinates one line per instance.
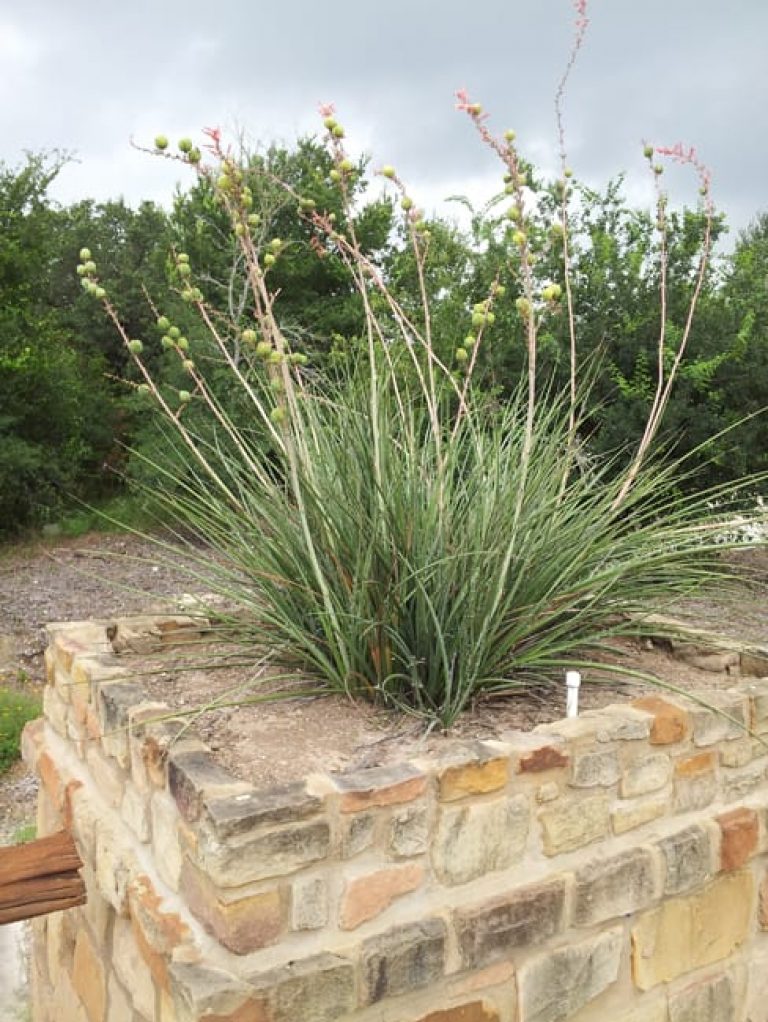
(40, 877)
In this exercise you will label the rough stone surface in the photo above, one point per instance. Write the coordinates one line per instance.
(309, 903)
(357, 834)
(88, 977)
(687, 859)
(403, 959)
(165, 838)
(739, 834)
(131, 969)
(482, 771)
(695, 781)
(273, 853)
(635, 814)
(203, 992)
(737, 785)
(242, 924)
(525, 917)
(317, 989)
(670, 722)
(555, 985)
(240, 813)
(711, 1000)
(409, 832)
(684, 934)
(645, 775)
(479, 838)
(368, 896)
(193, 776)
(606, 888)
(379, 786)
(572, 825)
(595, 769)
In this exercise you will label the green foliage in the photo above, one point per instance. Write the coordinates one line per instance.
(16, 710)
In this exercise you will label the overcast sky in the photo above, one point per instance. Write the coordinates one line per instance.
(87, 77)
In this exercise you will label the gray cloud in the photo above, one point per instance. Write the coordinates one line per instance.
(87, 78)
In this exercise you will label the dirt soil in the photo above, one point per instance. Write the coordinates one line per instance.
(99, 576)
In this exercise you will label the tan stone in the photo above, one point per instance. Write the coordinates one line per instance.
(478, 838)
(575, 824)
(628, 817)
(89, 978)
(695, 766)
(670, 722)
(368, 896)
(165, 838)
(131, 969)
(739, 833)
(645, 775)
(379, 786)
(645, 1010)
(242, 923)
(684, 934)
(309, 903)
(157, 932)
(546, 757)
(473, 778)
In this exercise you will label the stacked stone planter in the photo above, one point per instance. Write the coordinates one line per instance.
(611, 867)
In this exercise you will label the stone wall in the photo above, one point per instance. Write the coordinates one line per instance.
(611, 867)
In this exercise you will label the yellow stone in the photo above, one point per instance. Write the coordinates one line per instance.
(635, 815)
(473, 779)
(688, 933)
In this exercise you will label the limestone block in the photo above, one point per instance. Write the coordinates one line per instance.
(479, 838)
(594, 769)
(201, 992)
(403, 959)
(408, 832)
(688, 859)
(367, 896)
(89, 977)
(536, 753)
(638, 812)
(131, 969)
(727, 720)
(527, 916)
(473, 768)
(237, 814)
(357, 833)
(684, 934)
(615, 886)
(739, 833)
(709, 1000)
(574, 824)
(165, 838)
(555, 985)
(309, 903)
(193, 777)
(671, 723)
(317, 989)
(379, 786)
(134, 810)
(474, 1011)
(264, 854)
(646, 774)
(695, 781)
(738, 784)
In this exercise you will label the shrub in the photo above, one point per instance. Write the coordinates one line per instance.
(387, 527)
(16, 709)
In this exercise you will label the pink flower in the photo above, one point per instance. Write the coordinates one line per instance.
(326, 109)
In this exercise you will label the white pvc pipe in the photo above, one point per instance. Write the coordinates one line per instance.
(572, 683)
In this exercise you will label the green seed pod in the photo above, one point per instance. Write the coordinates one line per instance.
(275, 358)
(277, 415)
(263, 349)
(81, 270)
(188, 364)
(478, 319)
(523, 307)
(254, 219)
(185, 397)
(330, 123)
(510, 135)
(184, 269)
(224, 183)
(249, 336)
(135, 347)
(90, 266)
(163, 323)
(461, 354)
(469, 341)
(194, 156)
(658, 169)
(476, 109)
(85, 255)
(86, 284)
(142, 389)
(166, 341)
(269, 259)
(519, 238)
(338, 131)
(298, 358)
(648, 152)
(499, 290)
(182, 344)
(388, 171)
(100, 293)
(514, 214)
(174, 333)
(161, 142)
(185, 145)
(276, 244)
(490, 318)
(334, 175)
(182, 257)
(346, 166)
(568, 172)
(277, 385)
(556, 291)
(406, 203)
(307, 204)
(189, 294)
